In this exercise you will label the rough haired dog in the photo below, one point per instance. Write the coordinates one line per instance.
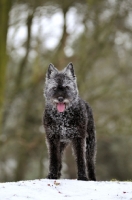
(67, 118)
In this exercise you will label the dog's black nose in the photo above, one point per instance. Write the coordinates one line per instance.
(60, 99)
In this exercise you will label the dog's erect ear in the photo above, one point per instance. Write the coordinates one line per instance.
(69, 70)
(51, 71)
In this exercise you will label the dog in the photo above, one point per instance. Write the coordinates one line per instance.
(68, 119)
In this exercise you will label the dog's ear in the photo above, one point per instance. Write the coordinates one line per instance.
(51, 71)
(69, 70)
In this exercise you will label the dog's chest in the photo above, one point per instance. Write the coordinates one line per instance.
(65, 126)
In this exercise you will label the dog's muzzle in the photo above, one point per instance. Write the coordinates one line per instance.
(61, 104)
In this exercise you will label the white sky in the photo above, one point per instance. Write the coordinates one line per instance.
(49, 28)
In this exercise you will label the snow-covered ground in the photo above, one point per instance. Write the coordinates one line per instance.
(45, 189)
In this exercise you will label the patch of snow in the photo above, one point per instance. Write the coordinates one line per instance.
(65, 190)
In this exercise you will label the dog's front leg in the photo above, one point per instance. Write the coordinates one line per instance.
(79, 151)
(54, 155)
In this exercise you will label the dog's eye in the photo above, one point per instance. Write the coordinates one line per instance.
(67, 87)
(54, 88)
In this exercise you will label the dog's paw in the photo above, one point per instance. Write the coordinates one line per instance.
(92, 179)
(52, 176)
(82, 178)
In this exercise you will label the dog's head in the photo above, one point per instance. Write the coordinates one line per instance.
(61, 87)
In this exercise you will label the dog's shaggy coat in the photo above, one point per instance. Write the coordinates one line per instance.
(67, 118)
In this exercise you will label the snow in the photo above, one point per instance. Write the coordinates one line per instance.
(45, 189)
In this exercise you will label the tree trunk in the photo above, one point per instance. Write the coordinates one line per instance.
(5, 6)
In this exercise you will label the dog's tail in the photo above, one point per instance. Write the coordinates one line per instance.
(90, 145)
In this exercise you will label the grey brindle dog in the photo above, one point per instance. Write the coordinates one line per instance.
(68, 119)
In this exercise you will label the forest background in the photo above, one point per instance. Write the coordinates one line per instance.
(97, 37)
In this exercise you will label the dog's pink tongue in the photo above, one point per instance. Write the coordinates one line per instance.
(60, 107)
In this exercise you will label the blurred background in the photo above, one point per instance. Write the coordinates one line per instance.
(97, 37)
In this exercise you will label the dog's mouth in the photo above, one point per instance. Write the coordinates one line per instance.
(61, 107)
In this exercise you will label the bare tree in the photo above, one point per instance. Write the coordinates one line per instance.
(5, 7)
